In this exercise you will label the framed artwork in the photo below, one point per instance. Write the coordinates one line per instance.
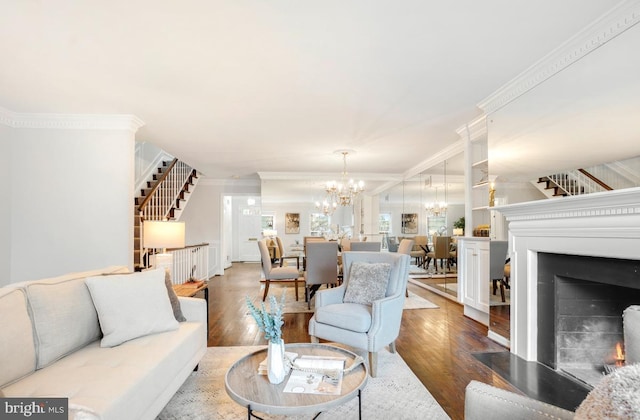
(267, 222)
(410, 223)
(292, 223)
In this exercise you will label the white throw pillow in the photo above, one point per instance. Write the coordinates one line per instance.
(131, 306)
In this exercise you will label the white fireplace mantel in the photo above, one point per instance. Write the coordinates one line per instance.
(601, 224)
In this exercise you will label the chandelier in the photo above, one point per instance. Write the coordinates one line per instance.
(341, 193)
(438, 208)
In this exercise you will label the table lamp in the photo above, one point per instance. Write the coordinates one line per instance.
(162, 235)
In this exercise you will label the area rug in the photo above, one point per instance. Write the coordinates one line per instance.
(494, 300)
(300, 306)
(396, 393)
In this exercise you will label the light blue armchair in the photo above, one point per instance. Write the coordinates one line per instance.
(368, 327)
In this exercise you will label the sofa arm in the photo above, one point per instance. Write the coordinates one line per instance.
(194, 309)
(482, 401)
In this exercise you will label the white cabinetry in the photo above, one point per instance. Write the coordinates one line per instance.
(473, 255)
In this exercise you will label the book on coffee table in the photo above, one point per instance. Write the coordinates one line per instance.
(316, 375)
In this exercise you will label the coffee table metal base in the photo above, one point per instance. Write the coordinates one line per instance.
(250, 414)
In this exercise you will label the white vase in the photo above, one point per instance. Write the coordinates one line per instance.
(276, 370)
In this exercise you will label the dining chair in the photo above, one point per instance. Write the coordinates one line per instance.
(306, 240)
(366, 246)
(322, 267)
(405, 247)
(441, 251)
(278, 274)
(283, 255)
(392, 244)
(497, 259)
(419, 250)
(365, 311)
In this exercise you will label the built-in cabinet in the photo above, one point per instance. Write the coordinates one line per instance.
(480, 185)
(473, 273)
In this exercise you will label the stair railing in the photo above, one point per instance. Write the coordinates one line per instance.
(165, 192)
(578, 182)
(162, 197)
(190, 262)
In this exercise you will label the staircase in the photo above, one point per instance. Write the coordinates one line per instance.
(604, 177)
(164, 198)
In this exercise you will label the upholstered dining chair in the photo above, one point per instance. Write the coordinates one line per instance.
(279, 274)
(441, 246)
(366, 246)
(418, 252)
(307, 240)
(405, 247)
(365, 311)
(497, 259)
(284, 256)
(322, 267)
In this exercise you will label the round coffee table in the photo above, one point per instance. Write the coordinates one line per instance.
(247, 388)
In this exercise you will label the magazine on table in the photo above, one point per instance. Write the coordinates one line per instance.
(316, 375)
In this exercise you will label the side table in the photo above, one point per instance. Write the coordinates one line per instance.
(186, 290)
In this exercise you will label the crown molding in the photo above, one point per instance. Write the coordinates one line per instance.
(219, 182)
(435, 159)
(622, 17)
(71, 121)
(474, 130)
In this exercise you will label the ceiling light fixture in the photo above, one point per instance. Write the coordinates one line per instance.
(341, 193)
(438, 208)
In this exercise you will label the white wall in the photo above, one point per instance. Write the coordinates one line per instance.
(5, 213)
(71, 207)
(148, 157)
(202, 216)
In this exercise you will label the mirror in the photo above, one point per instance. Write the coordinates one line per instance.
(402, 210)
(582, 116)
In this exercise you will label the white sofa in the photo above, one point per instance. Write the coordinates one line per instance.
(50, 346)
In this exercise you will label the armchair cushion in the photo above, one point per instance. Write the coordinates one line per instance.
(367, 282)
(348, 316)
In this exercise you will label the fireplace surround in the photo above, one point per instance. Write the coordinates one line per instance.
(603, 225)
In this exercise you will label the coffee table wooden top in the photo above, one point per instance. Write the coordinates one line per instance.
(247, 388)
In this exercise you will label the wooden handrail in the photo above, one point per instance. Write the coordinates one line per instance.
(594, 179)
(157, 185)
(189, 246)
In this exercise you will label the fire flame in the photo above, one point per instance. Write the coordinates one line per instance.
(619, 354)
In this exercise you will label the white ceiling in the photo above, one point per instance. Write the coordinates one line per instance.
(238, 87)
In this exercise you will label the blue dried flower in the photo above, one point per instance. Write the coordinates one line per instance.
(269, 322)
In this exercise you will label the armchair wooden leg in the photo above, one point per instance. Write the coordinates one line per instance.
(373, 363)
(314, 339)
(392, 347)
(266, 289)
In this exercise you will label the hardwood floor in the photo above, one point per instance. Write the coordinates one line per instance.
(437, 344)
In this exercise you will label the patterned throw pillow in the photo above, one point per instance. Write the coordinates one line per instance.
(367, 282)
(173, 298)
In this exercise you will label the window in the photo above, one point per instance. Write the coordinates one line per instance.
(318, 224)
(384, 224)
(436, 224)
